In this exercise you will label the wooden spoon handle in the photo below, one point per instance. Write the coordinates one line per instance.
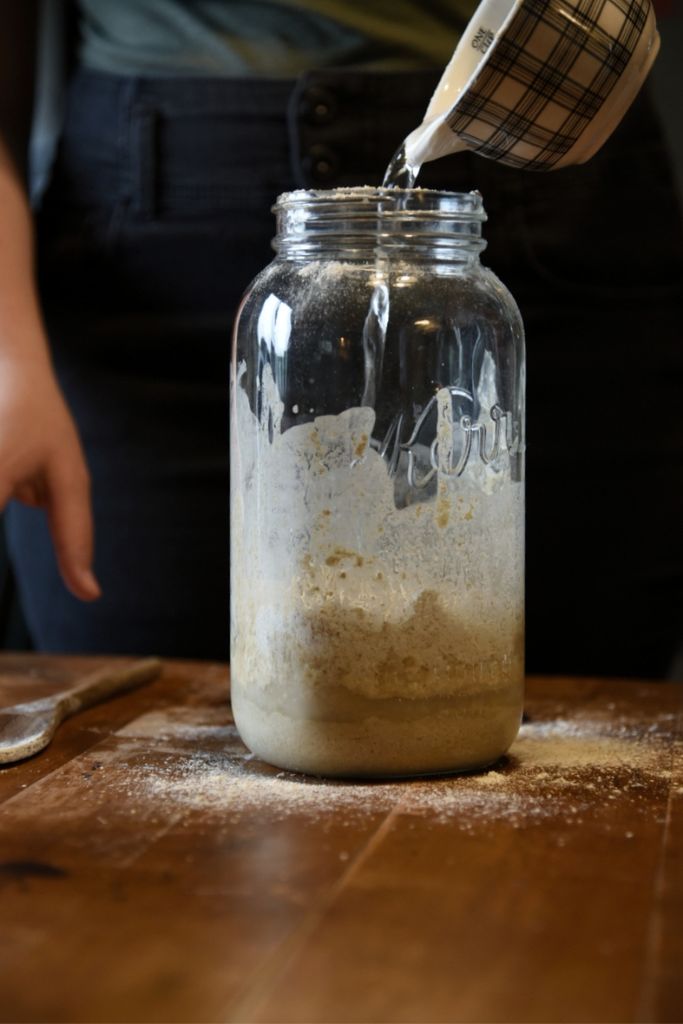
(104, 682)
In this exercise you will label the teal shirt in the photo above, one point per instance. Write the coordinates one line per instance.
(272, 38)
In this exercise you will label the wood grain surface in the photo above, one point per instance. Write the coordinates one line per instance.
(151, 870)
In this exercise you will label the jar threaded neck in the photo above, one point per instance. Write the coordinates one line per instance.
(358, 222)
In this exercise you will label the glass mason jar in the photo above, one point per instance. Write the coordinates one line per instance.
(377, 491)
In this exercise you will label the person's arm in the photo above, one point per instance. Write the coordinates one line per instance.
(41, 460)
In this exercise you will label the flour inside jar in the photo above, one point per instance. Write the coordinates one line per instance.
(359, 647)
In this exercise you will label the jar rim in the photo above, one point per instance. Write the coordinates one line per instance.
(467, 205)
(367, 222)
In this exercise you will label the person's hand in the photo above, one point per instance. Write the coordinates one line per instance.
(42, 464)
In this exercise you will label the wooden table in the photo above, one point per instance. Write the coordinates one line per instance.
(151, 871)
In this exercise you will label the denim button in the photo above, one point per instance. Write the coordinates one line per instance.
(321, 162)
(318, 105)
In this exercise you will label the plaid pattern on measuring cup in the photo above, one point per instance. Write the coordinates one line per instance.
(539, 84)
(548, 78)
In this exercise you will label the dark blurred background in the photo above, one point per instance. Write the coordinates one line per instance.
(665, 85)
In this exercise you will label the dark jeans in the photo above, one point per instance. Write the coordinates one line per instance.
(157, 218)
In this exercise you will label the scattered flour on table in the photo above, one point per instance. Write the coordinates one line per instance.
(555, 768)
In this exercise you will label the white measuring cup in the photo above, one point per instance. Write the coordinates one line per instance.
(536, 84)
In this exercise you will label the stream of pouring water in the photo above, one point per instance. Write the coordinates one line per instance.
(430, 140)
(400, 173)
